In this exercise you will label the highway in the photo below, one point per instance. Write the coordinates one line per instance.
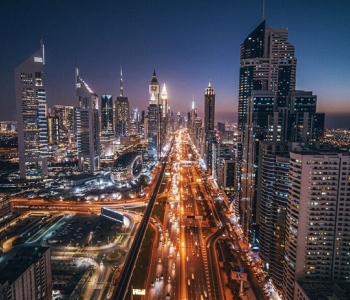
(130, 261)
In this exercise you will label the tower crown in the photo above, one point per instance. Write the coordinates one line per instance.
(209, 90)
(164, 92)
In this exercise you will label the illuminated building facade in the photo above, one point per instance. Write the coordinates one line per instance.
(31, 116)
(209, 130)
(87, 127)
(267, 62)
(153, 119)
(163, 118)
(317, 226)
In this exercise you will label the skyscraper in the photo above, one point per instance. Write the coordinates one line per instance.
(153, 119)
(65, 116)
(31, 116)
(87, 126)
(267, 73)
(267, 63)
(122, 112)
(107, 119)
(107, 125)
(209, 115)
(164, 117)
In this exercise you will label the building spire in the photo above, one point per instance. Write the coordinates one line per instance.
(121, 83)
(263, 11)
(154, 77)
(164, 92)
(209, 83)
(192, 102)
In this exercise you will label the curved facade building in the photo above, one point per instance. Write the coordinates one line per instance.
(127, 167)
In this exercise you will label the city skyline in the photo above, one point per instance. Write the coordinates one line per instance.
(140, 37)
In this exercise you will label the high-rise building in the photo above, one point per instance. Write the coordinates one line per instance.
(209, 130)
(317, 226)
(305, 124)
(272, 205)
(27, 275)
(107, 118)
(163, 118)
(53, 127)
(260, 109)
(122, 112)
(107, 126)
(65, 116)
(87, 127)
(134, 121)
(267, 63)
(153, 119)
(31, 116)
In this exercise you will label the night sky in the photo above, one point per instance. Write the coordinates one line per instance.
(187, 42)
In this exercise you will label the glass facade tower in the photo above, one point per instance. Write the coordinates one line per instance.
(31, 116)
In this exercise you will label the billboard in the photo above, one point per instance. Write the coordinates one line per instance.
(112, 214)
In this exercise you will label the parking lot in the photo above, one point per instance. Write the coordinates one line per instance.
(83, 231)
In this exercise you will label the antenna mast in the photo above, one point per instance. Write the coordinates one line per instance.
(121, 83)
(263, 11)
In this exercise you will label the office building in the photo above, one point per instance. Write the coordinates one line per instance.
(122, 112)
(260, 110)
(306, 126)
(31, 116)
(27, 275)
(267, 62)
(87, 127)
(209, 130)
(53, 129)
(153, 119)
(107, 126)
(317, 226)
(135, 121)
(163, 118)
(65, 116)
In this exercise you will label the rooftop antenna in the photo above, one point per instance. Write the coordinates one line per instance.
(121, 82)
(263, 11)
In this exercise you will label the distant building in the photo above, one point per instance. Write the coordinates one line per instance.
(31, 116)
(27, 275)
(107, 126)
(209, 131)
(122, 112)
(87, 127)
(53, 131)
(65, 116)
(163, 118)
(153, 134)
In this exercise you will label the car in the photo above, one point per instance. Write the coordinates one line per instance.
(159, 260)
(152, 283)
(174, 266)
(157, 278)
